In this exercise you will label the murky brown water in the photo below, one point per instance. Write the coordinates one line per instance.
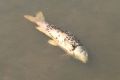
(26, 55)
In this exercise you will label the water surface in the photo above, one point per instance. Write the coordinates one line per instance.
(26, 55)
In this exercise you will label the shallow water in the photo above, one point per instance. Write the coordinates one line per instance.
(26, 55)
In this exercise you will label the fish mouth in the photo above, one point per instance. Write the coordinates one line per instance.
(81, 55)
(83, 59)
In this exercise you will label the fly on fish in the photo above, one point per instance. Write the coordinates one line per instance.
(58, 37)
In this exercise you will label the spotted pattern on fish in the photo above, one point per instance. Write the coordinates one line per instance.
(51, 26)
(63, 39)
(70, 37)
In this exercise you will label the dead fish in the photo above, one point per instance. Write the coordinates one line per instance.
(63, 39)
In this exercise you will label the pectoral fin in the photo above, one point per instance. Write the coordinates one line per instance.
(53, 42)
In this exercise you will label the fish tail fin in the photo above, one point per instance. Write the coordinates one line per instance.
(39, 17)
(30, 18)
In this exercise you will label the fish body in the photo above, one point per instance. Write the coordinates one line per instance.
(63, 39)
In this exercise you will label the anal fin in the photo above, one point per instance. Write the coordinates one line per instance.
(53, 42)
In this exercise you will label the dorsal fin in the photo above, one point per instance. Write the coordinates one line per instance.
(40, 16)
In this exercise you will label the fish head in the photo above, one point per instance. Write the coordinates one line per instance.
(81, 54)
